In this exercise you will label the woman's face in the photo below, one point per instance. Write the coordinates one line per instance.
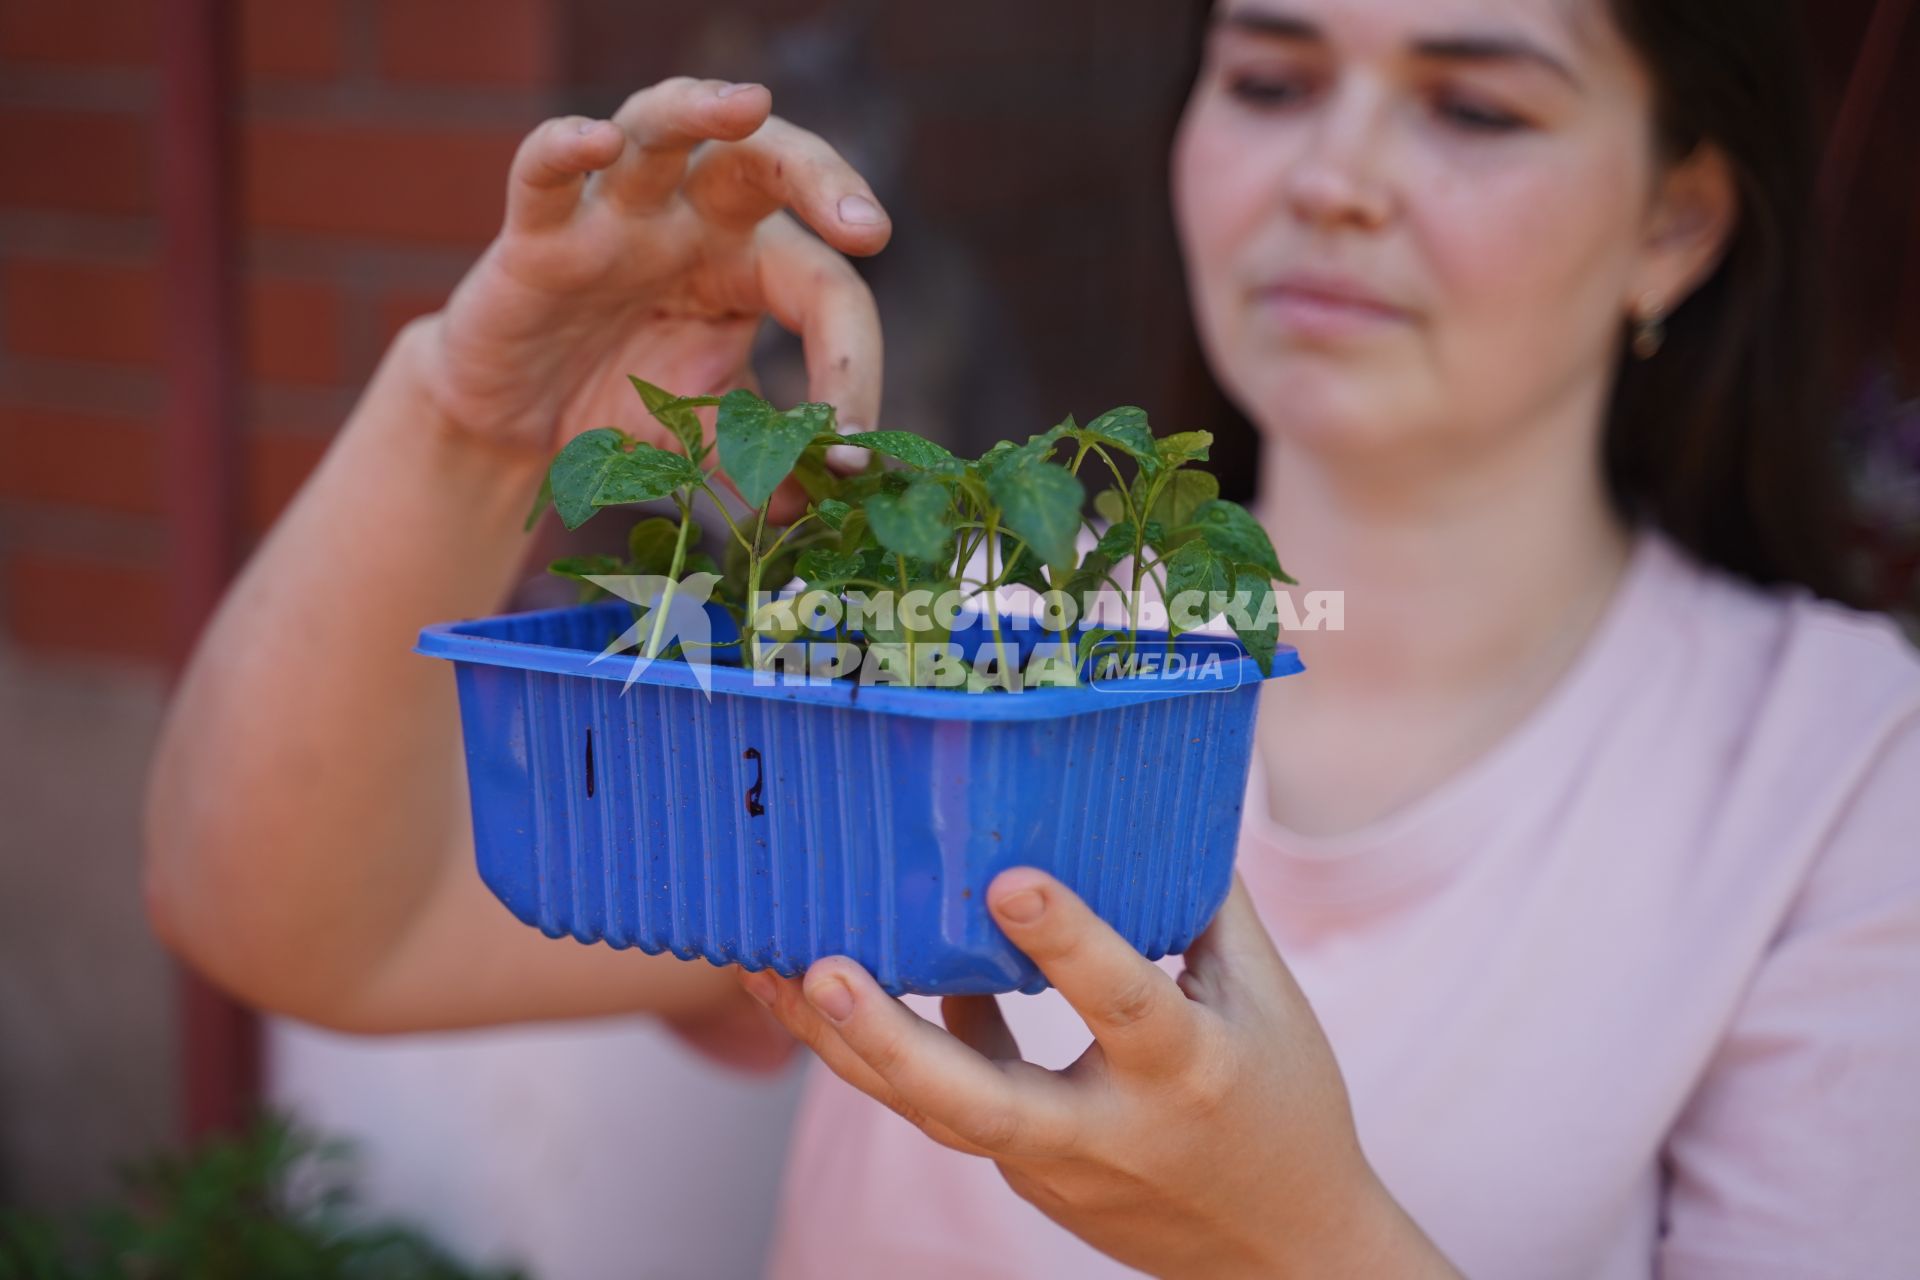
(1422, 223)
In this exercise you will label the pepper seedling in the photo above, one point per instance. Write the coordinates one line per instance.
(932, 522)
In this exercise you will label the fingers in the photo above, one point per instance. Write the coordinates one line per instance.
(783, 998)
(1137, 1014)
(1235, 958)
(997, 1107)
(743, 1034)
(976, 1021)
(546, 180)
(663, 123)
(781, 165)
(814, 292)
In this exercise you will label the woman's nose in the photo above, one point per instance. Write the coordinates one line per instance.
(1339, 178)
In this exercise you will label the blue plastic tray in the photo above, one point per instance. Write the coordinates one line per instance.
(769, 826)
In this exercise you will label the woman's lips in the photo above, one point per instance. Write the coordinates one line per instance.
(1327, 312)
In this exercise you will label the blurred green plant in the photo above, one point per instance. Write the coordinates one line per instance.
(275, 1203)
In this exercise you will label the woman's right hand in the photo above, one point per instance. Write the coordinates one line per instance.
(653, 244)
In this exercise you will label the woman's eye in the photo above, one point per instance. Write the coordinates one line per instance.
(1481, 119)
(1264, 92)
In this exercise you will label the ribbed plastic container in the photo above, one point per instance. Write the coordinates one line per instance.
(771, 825)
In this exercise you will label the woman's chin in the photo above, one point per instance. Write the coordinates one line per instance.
(1328, 409)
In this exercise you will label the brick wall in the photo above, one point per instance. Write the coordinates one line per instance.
(374, 140)
(1020, 146)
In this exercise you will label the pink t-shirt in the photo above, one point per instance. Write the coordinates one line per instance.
(1637, 993)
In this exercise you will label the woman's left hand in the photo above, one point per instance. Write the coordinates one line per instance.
(1205, 1132)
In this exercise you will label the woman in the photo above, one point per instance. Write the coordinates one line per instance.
(1590, 839)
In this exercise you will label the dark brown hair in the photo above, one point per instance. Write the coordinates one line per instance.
(1728, 438)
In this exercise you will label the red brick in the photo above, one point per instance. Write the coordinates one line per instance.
(435, 185)
(122, 473)
(277, 465)
(290, 39)
(82, 311)
(495, 42)
(294, 331)
(63, 310)
(37, 451)
(88, 162)
(70, 604)
(99, 32)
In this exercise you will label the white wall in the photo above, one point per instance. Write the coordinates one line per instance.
(583, 1151)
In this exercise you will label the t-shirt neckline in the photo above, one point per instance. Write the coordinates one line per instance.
(1427, 834)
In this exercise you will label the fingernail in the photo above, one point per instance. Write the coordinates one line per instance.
(1024, 907)
(586, 126)
(760, 986)
(859, 211)
(728, 90)
(848, 457)
(832, 997)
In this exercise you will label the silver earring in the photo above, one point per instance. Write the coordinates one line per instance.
(1649, 330)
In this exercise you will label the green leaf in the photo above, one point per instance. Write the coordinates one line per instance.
(580, 568)
(977, 683)
(1111, 505)
(816, 479)
(854, 533)
(577, 472)
(1236, 536)
(1090, 576)
(1181, 495)
(1022, 565)
(1183, 447)
(1037, 449)
(1261, 641)
(1126, 429)
(596, 470)
(541, 501)
(650, 545)
(1089, 641)
(823, 568)
(908, 448)
(1117, 542)
(1040, 503)
(1195, 567)
(675, 413)
(700, 562)
(759, 445)
(734, 568)
(777, 572)
(915, 523)
(833, 513)
(878, 564)
(900, 632)
(644, 475)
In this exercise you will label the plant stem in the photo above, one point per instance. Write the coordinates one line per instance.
(673, 577)
(721, 507)
(1120, 483)
(993, 607)
(749, 637)
(781, 541)
(1138, 520)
